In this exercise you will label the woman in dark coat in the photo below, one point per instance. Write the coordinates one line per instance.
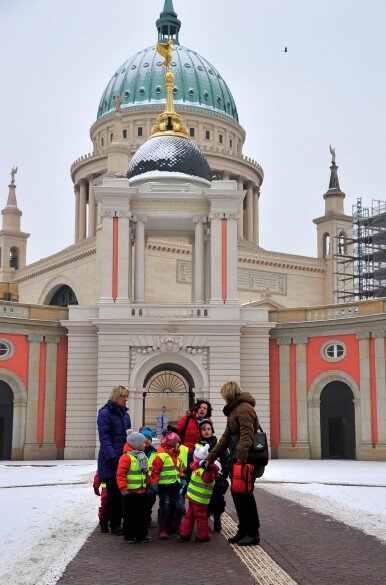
(187, 427)
(243, 422)
(113, 422)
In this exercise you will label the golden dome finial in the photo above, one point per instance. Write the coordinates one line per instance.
(169, 123)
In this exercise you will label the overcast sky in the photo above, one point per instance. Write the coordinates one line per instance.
(58, 56)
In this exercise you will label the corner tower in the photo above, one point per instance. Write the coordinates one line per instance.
(333, 228)
(13, 242)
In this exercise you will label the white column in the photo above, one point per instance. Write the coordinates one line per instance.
(215, 258)
(240, 225)
(256, 196)
(250, 212)
(139, 276)
(91, 210)
(232, 224)
(82, 210)
(107, 257)
(199, 260)
(76, 190)
(124, 258)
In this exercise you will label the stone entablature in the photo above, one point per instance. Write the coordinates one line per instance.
(67, 256)
(329, 312)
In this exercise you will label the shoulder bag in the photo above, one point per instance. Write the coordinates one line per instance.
(258, 451)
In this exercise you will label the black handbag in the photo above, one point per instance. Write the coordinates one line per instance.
(258, 451)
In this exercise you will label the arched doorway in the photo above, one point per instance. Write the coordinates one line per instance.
(337, 421)
(63, 297)
(6, 420)
(169, 385)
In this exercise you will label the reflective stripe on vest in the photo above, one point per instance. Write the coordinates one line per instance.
(184, 452)
(103, 485)
(198, 490)
(135, 478)
(150, 461)
(169, 472)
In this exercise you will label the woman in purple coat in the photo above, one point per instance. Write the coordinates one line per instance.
(113, 422)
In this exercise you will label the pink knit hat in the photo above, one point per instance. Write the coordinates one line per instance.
(170, 440)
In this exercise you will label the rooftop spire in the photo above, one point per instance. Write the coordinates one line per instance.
(169, 123)
(168, 24)
(334, 180)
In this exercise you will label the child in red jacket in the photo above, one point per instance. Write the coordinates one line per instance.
(133, 479)
(199, 492)
(103, 513)
(167, 473)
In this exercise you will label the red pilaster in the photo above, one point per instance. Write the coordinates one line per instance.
(41, 394)
(274, 391)
(294, 429)
(61, 393)
(114, 292)
(373, 394)
(224, 259)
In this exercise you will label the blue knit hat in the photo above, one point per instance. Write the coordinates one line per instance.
(146, 431)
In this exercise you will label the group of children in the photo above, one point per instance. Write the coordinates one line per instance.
(175, 474)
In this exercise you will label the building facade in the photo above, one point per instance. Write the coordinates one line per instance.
(168, 291)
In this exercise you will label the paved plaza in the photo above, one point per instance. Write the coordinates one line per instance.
(297, 546)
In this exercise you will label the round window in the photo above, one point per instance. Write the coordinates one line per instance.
(206, 95)
(127, 93)
(6, 349)
(333, 351)
(141, 91)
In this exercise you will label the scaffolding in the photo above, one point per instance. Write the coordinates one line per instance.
(361, 259)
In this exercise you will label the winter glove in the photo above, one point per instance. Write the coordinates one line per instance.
(183, 486)
(96, 491)
(125, 493)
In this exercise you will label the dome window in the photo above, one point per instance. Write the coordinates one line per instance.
(105, 103)
(175, 90)
(174, 63)
(127, 93)
(333, 351)
(115, 75)
(141, 91)
(158, 89)
(200, 68)
(210, 71)
(191, 91)
(159, 63)
(6, 349)
(187, 65)
(218, 99)
(206, 95)
(146, 64)
(123, 70)
(133, 67)
(228, 105)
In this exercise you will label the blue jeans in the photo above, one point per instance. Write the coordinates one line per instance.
(167, 497)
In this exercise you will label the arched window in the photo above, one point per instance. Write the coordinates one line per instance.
(326, 245)
(342, 243)
(64, 297)
(14, 258)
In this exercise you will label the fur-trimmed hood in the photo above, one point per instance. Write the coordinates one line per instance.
(244, 397)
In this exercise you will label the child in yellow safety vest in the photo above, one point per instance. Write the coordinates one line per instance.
(167, 474)
(133, 479)
(199, 492)
(150, 452)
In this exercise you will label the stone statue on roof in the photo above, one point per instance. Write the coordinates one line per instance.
(13, 173)
(332, 151)
(118, 100)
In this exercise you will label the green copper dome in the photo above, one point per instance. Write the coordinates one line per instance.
(140, 80)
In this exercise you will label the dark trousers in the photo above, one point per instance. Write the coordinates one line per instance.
(114, 502)
(150, 501)
(246, 509)
(134, 516)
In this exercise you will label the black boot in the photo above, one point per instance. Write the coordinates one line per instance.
(104, 527)
(236, 538)
(217, 523)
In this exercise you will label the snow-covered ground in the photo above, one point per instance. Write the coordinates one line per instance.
(48, 509)
(353, 492)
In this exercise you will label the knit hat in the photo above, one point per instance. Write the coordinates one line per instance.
(200, 452)
(170, 439)
(146, 431)
(205, 421)
(134, 439)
